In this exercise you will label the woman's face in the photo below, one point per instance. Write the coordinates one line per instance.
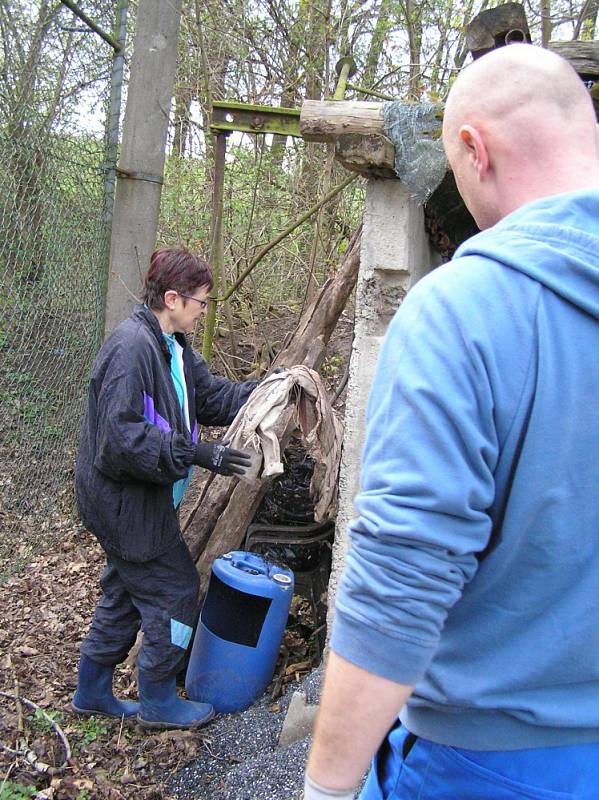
(184, 310)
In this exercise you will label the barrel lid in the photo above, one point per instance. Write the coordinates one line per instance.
(238, 563)
(280, 577)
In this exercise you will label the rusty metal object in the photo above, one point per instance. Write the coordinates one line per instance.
(497, 27)
(228, 116)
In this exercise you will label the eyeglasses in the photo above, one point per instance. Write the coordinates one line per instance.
(203, 303)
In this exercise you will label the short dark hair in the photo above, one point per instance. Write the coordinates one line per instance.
(174, 268)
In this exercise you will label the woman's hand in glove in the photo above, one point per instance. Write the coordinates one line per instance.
(218, 457)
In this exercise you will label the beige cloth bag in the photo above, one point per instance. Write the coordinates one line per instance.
(252, 430)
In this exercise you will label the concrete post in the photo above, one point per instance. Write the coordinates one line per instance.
(141, 166)
(395, 254)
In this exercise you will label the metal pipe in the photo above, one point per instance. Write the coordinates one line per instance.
(341, 83)
(216, 239)
(91, 24)
(515, 36)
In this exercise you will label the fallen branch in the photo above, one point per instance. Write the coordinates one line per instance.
(20, 723)
(27, 753)
(7, 776)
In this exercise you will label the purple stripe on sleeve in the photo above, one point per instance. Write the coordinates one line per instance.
(153, 416)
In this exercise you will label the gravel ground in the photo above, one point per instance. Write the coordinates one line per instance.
(241, 760)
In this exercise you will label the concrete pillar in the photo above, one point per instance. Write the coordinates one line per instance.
(145, 126)
(395, 254)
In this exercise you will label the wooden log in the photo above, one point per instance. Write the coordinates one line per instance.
(372, 155)
(326, 120)
(227, 506)
(496, 27)
(584, 57)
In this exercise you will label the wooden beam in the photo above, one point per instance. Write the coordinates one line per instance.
(326, 120)
(372, 155)
(584, 56)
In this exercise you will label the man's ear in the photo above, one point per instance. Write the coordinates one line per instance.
(477, 150)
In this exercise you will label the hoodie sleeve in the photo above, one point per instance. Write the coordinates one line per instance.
(128, 447)
(427, 482)
(217, 399)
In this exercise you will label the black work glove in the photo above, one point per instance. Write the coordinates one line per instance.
(278, 370)
(218, 457)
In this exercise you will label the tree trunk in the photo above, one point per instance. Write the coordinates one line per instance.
(546, 23)
(377, 42)
(586, 22)
(414, 28)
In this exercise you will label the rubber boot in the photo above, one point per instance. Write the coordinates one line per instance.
(161, 707)
(94, 692)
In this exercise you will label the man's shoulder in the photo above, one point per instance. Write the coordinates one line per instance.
(473, 280)
(468, 271)
(472, 298)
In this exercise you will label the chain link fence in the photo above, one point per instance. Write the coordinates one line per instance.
(53, 244)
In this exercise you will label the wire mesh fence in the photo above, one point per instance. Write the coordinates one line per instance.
(53, 243)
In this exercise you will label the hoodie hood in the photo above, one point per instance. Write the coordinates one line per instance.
(529, 238)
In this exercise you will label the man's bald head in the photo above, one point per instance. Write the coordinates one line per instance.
(513, 81)
(519, 124)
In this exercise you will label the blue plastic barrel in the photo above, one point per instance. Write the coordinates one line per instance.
(240, 630)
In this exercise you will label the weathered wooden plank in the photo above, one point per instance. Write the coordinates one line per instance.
(371, 155)
(584, 56)
(326, 120)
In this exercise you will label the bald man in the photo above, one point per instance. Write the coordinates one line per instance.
(469, 604)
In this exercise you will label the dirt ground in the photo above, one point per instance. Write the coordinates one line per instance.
(44, 614)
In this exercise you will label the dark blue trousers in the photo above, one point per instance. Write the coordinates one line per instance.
(409, 768)
(161, 596)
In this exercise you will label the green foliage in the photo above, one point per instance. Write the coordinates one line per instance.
(16, 791)
(331, 366)
(90, 728)
(40, 722)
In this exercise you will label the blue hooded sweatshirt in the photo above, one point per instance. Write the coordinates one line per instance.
(474, 565)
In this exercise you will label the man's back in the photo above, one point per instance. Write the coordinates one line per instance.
(487, 385)
(470, 586)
